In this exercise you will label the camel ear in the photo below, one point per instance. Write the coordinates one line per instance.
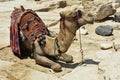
(62, 15)
(22, 8)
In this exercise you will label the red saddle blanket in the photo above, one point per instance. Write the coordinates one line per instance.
(29, 23)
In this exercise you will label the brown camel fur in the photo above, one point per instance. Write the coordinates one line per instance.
(55, 47)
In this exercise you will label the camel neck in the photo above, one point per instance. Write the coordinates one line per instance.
(65, 37)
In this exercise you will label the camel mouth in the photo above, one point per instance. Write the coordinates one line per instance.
(89, 20)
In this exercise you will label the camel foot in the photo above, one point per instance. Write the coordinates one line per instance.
(66, 58)
(43, 60)
(56, 67)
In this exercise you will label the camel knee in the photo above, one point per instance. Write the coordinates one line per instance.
(66, 58)
(56, 67)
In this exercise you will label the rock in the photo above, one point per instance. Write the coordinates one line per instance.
(103, 54)
(75, 2)
(104, 30)
(50, 5)
(87, 4)
(117, 44)
(22, 72)
(115, 5)
(104, 11)
(62, 4)
(4, 64)
(117, 1)
(111, 67)
(117, 17)
(115, 25)
(99, 9)
(89, 72)
(106, 45)
(83, 31)
(37, 75)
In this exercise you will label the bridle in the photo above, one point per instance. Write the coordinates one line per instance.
(63, 26)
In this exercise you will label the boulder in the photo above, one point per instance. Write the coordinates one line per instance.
(89, 72)
(115, 5)
(106, 45)
(104, 11)
(115, 25)
(22, 72)
(116, 43)
(4, 64)
(83, 31)
(50, 5)
(117, 17)
(104, 30)
(99, 9)
(103, 54)
(111, 67)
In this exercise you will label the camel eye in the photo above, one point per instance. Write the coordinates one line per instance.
(79, 13)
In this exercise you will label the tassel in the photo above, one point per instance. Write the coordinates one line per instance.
(43, 37)
(23, 38)
(32, 47)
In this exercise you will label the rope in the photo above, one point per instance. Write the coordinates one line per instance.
(81, 50)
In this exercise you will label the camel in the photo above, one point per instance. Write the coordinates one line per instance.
(56, 46)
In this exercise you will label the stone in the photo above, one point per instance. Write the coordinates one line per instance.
(106, 45)
(116, 43)
(89, 72)
(37, 75)
(117, 17)
(103, 54)
(104, 30)
(75, 2)
(99, 9)
(4, 64)
(62, 4)
(117, 1)
(115, 5)
(115, 25)
(104, 11)
(23, 72)
(83, 31)
(111, 67)
(50, 5)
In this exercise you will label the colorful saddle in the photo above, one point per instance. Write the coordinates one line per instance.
(30, 24)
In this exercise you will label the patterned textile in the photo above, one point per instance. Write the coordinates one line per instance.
(15, 32)
(30, 24)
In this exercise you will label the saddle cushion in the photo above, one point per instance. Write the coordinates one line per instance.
(29, 23)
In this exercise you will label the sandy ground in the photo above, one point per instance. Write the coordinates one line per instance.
(90, 44)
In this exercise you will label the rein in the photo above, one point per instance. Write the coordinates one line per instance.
(80, 44)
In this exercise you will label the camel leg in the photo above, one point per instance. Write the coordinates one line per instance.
(66, 58)
(43, 60)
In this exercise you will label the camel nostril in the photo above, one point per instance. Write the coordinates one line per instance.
(79, 13)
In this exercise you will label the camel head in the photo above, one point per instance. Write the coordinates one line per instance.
(76, 18)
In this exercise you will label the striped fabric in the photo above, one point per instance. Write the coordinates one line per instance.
(15, 32)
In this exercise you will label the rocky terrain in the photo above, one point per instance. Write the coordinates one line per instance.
(101, 53)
